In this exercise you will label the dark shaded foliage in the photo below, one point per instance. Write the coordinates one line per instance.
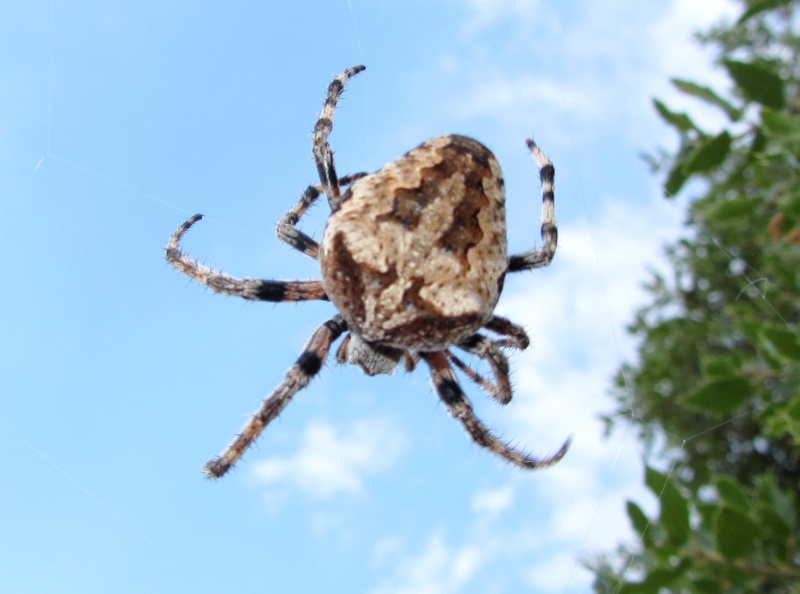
(717, 379)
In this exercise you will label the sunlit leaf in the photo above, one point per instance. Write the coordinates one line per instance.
(785, 342)
(734, 209)
(680, 120)
(781, 128)
(757, 83)
(676, 178)
(708, 95)
(638, 519)
(784, 419)
(780, 124)
(760, 6)
(709, 154)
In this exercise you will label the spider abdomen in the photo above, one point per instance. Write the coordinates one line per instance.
(415, 254)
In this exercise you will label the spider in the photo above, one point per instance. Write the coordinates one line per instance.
(413, 257)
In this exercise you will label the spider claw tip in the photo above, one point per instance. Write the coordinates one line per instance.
(215, 469)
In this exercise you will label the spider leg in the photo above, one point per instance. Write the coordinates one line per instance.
(323, 155)
(250, 289)
(410, 360)
(488, 350)
(516, 337)
(541, 257)
(485, 384)
(446, 384)
(287, 226)
(299, 375)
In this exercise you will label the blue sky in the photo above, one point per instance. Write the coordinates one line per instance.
(119, 379)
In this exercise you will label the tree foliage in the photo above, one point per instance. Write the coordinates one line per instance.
(716, 388)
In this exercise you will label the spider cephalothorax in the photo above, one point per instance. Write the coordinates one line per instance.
(413, 258)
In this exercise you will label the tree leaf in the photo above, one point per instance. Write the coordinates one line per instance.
(656, 580)
(717, 366)
(720, 396)
(780, 124)
(781, 128)
(680, 120)
(779, 512)
(662, 577)
(705, 585)
(735, 209)
(717, 382)
(638, 519)
(709, 154)
(674, 508)
(784, 419)
(734, 532)
(707, 95)
(783, 341)
(757, 83)
(732, 494)
(676, 178)
(760, 6)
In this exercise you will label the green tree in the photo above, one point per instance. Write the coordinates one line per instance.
(716, 389)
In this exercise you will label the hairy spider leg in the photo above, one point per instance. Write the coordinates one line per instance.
(483, 383)
(450, 392)
(299, 375)
(541, 257)
(487, 350)
(515, 335)
(323, 155)
(250, 289)
(287, 226)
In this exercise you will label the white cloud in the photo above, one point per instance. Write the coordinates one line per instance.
(589, 67)
(551, 564)
(493, 501)
(386, 549)
(437, 569)
(487, 12)
(524, 92)
(333, 459)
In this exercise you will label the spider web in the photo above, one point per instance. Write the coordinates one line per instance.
(148, 203)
